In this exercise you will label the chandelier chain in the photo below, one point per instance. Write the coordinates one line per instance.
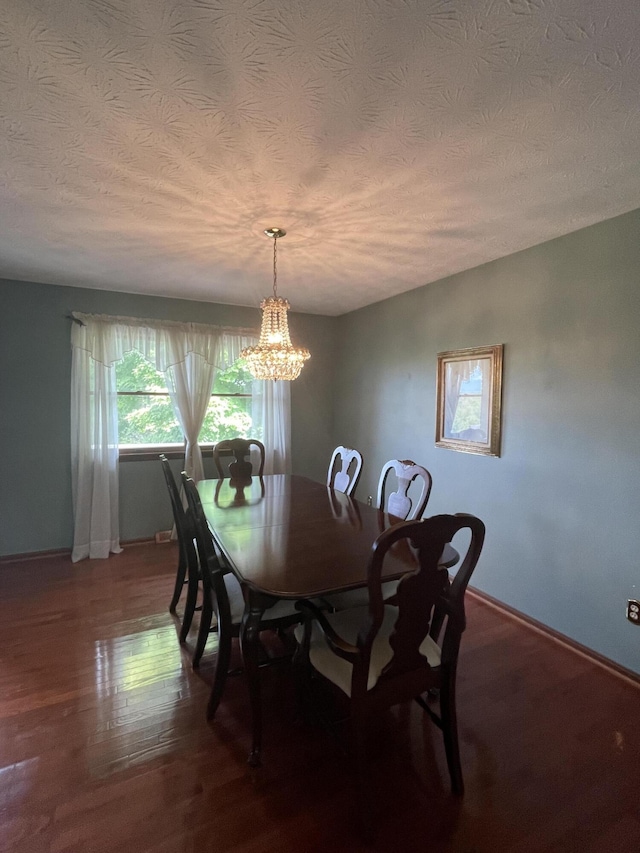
(275, 267)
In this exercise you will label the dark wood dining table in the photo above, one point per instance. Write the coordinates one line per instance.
(288, 537)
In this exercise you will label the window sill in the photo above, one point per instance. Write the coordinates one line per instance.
(150, 454)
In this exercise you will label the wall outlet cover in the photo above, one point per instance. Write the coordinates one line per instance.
(633, 611)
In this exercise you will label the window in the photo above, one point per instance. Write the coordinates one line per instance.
(146, 419)
(97, 344)
(468, 415)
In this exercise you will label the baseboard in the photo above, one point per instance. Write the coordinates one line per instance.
(145, 540)
(34, 555)
(65, 552)
(609, 665)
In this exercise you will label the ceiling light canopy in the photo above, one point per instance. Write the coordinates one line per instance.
(274, 357)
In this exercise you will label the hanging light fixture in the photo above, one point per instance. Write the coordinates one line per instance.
(275, 357)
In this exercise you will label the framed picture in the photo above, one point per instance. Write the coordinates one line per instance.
(468, 396)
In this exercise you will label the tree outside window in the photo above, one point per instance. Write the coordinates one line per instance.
(145, 412)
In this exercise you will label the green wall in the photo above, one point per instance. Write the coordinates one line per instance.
(35, 367)
(561, 505)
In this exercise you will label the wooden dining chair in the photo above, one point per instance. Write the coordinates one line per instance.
(399, 503)
(390, 652)
(188, 571)
(344, 469)
(223, 598)
(240, 467)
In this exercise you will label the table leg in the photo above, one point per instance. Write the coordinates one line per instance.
(250, 647)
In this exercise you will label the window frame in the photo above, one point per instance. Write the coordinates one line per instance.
(145, 453)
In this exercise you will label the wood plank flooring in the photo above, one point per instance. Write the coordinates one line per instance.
(104, 744)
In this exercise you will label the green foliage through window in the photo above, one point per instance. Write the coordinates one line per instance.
(467, 414)
(146, 419)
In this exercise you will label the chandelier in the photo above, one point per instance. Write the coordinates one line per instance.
(275, 357)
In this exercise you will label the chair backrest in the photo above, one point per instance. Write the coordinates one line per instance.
(399, 503)
(341, 478)
(424, 598)
(210, 566)
(240, 468)
(181, 519)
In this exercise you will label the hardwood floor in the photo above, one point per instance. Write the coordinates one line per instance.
(104, 744)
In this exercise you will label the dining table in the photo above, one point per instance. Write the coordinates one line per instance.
(290, 537)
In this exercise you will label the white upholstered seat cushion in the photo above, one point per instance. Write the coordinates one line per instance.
(280, 610)
(346, 624)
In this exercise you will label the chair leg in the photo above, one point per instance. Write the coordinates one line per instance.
(364, 806)
(450, 732)
(190, 604)
(181, 573)
(302, 682)
(220, 676)
(203, 631)
(249, 645)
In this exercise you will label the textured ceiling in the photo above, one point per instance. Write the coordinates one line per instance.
(145, 144)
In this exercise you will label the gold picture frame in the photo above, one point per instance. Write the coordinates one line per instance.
(468, 400)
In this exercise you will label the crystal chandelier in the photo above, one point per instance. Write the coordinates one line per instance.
(275, 357)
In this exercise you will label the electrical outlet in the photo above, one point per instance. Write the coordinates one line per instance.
(633, 611)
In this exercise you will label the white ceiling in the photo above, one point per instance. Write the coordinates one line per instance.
(145, 144)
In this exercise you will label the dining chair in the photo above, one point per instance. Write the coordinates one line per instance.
(222, 597)
(344, 469)
(398, 504)
(390, 652)
(240, 467)
(188, 571)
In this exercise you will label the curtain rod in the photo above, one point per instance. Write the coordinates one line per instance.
(77, 317)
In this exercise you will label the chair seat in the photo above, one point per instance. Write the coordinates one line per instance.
(357, 597)
(346, 624)
(280, 610)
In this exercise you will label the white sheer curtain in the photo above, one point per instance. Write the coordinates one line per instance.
(189, 383)
(270, 410)
(454, 374)
(188, 354)
(94, 452)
